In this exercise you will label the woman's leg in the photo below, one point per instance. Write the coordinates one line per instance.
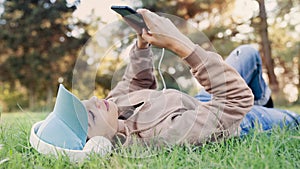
(247, 62)
(265, 119)
(261, 118)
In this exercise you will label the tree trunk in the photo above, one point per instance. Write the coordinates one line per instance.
(266, 47)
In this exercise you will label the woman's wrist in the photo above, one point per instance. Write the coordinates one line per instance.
(141, 43)
(142, 46)
(183, 48)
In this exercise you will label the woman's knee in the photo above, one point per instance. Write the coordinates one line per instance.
(247, 52)
(244, 57)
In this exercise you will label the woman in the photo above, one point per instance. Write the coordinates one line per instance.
(135, 108)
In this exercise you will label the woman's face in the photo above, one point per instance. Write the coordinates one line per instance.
(102, 117)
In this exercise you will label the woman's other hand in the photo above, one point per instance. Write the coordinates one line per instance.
(163, 33)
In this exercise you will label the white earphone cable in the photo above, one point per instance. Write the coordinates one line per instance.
(159, 71)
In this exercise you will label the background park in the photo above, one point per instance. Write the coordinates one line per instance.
(48, 42)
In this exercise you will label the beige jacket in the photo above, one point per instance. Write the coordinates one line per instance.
(175, 117)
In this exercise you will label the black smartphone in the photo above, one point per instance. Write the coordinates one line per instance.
(133, 18)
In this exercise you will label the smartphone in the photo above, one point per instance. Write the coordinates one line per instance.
(133, 18)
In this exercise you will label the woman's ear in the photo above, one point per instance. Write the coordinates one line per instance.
(99, 145)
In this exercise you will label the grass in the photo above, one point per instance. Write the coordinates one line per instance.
(281, 149)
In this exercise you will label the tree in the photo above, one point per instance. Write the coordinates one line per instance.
(266, 46)
(40, 45)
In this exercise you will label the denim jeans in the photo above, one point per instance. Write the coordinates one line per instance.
(247, 62)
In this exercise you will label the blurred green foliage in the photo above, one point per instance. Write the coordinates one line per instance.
(40, 42)
(11, 98)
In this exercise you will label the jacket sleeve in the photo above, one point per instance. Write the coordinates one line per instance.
(138, 74)
(220, 117)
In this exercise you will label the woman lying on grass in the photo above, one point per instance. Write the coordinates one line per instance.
(135, 109)
(171, 116)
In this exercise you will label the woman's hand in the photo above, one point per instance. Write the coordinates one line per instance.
(141, 43)
(163, 33)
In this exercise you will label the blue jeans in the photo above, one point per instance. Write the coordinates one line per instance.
(247, 62)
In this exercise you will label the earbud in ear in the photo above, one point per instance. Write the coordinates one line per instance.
(99, 145)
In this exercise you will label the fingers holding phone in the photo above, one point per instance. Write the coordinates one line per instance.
(163, 33)
(156, 30)
(132, 18)
(135, 20)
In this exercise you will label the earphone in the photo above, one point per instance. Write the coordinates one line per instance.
(99, 145)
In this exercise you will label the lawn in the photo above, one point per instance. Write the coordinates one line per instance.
(281, 149)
